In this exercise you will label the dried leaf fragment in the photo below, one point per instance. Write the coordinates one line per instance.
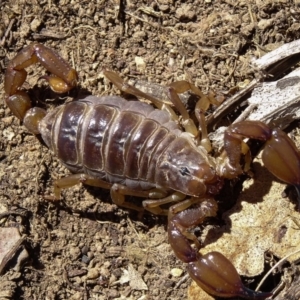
(134, 278)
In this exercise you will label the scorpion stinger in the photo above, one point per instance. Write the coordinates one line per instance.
(134, 149)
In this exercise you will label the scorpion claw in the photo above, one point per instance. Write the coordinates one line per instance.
(213, 272)
(216, 275)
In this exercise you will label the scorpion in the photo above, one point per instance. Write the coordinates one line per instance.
(133, 148)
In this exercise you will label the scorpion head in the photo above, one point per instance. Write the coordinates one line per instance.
(183, 169)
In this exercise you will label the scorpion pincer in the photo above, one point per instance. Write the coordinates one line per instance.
(134, 149)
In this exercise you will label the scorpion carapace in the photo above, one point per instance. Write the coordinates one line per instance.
(134, 149)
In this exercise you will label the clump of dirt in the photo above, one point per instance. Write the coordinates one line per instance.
(85, 247)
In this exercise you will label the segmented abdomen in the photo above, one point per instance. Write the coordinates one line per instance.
(110, 138)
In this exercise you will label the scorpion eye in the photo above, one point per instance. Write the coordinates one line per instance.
(184, 171)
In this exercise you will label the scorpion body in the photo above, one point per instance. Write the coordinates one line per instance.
(125, 142)
(134, 149)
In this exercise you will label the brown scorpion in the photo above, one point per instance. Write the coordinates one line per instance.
(135, 149)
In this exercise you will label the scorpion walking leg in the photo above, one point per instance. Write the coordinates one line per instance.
(154, 206)
(183, 86)
(174, 89)
(213, 272)
(129, 89)
(74, 179)
(202, 105)
(118, 193)
(157, 198)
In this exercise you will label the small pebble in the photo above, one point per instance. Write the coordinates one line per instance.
(176, 272)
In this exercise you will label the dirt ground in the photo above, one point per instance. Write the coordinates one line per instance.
(85, 247)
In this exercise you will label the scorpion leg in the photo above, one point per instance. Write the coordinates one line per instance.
(118, 193)
(213, 272)
(75, 179)
(63, 78)
(202, 106)
(154, 206)
(157, 198)
(187, 123)
(184, 86)
(174, 89)
(129, 89)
